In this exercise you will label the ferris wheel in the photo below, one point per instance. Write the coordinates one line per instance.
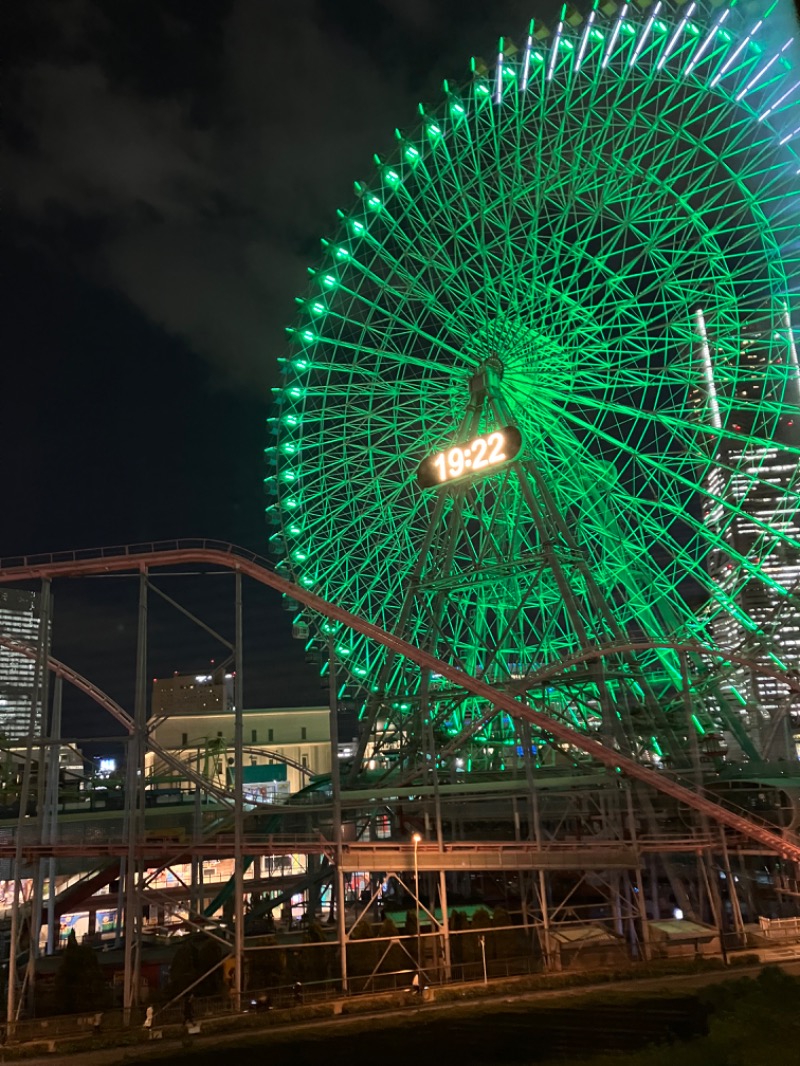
(541, 410)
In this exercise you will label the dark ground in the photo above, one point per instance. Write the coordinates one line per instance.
(740, 1022)
(517, 1034)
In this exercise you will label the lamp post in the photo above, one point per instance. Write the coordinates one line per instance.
(416, 838)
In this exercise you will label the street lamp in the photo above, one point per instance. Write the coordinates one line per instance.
(416, 838)
(482, 941)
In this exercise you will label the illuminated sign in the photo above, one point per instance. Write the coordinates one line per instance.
(479, 457)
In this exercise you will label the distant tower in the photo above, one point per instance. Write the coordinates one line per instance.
(756, 475)
(20, 620)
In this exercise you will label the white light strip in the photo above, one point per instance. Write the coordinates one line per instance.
(526, 63)
(645, 33)
(760, 74)
(498, 76)
(554, 51)
(778, 103)
(789, 136)
(708, 369)
(585, 40)
(674, 39)
(701, 51)
(732, 58)
(614, 35)
(792, 346)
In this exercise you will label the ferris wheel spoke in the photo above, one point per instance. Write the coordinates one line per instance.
(677, 476)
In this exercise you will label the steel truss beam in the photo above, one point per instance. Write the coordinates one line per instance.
(75, 565)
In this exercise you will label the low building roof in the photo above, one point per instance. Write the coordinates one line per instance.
(683, 929)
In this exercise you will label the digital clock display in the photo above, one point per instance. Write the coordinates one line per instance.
(479, 456)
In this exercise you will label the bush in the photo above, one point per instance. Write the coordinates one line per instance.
(266, 969)
(194, 957)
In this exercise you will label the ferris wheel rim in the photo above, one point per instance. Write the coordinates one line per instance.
(373, 380)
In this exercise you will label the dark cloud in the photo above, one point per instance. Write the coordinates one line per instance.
(208, 198)
(205, 147)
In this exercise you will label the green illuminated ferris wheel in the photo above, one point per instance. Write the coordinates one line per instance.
(541, 411)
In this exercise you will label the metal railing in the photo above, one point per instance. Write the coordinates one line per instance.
(25, 562)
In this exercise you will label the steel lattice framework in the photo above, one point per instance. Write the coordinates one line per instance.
(595, 241)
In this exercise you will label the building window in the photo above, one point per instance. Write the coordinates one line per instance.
(220, 733)
(184, 739)
(270, 735)
(303, 733)
(254, 736)
(305, 762)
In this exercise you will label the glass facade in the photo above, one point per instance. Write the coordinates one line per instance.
(19, 619)
(751, 508)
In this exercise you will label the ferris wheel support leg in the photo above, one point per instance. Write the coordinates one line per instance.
(405, 609)
(238, 799)
(468, 425)
(550, 526)
(437, 799)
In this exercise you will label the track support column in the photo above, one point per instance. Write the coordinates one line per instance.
(135, 816)
(336, 798)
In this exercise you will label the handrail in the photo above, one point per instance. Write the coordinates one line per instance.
(26, 563)
(314, 845)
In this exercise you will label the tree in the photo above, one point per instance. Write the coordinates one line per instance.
(412, 923)
(458, 923)
(506, 942)
(79, 982)
(395, 959)
(318, 963)
(362, 958)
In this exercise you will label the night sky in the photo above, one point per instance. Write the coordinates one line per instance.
(169, 168)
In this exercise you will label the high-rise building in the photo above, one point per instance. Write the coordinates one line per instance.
(19, 620)
(750, 400)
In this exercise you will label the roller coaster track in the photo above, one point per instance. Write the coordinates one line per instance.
(143, 558)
